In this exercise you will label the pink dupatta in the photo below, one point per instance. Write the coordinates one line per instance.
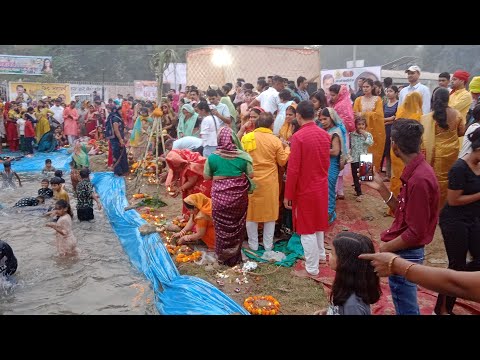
(344, 108)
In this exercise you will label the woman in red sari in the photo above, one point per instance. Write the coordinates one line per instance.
(91, 120)
(185, 174)
(11, 127)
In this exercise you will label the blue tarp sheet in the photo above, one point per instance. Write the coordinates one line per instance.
(60, 160)
(175, 294)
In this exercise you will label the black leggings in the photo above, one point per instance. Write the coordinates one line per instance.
(460, 236)
(355, 166)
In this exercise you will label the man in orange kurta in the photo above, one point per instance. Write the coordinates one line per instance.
(460, 98)
(306, 189)
(267, 151)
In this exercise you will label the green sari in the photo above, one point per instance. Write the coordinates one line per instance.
(186, 127)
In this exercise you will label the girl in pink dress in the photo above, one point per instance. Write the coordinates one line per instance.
(65, 240)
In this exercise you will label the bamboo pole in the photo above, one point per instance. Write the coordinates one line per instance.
(159, 63)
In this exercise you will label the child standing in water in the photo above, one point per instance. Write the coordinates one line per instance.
(45, 191)
(7, 176)
(65, 240)
(85, 197)
(48, 167)
(59, 174)
(356, 285)
(58, 192)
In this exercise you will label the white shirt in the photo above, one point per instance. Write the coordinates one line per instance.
(21, 126)
(423, 90)
(57, 113)
(467, 145)
(269, 100)
(223, 110)
(208, 131)
(187, 142)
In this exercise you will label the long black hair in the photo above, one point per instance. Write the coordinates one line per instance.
(352, 274)
(320, 96)
(440, 104)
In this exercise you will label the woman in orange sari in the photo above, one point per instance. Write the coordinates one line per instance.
(440, 144)
(185, 174)
(201, 222)
(410, 109)
(371, 108)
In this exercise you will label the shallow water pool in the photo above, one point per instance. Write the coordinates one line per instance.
(100, 280)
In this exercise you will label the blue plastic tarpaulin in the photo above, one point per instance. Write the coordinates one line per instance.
(60, 161)
(175, 294)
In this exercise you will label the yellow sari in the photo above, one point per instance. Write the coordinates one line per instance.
(43, 126)
(286, 131)
(461, 100)
(410, 109)
(372, 110)
(441, 149)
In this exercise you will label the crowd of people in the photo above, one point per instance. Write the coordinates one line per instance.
(272, 156)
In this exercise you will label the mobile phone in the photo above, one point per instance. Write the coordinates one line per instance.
(366, 167)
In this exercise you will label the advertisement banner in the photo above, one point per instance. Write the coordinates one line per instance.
(145, 90)
(85, 91)
(349, 76)
(36, 91)
(26, 65)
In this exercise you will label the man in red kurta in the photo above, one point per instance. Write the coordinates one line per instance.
(306, 189)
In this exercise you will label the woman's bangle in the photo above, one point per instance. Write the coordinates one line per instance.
(390, 198)
(407, 269)
(390, 264)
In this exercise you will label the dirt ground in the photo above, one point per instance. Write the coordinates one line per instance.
(297, 296)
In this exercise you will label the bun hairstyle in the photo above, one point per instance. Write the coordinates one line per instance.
(203, 105)
(440, 104)
(475, 139)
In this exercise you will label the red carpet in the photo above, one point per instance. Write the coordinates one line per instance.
(350, 217)
(426, 298)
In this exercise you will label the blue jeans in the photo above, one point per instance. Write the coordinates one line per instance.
(404, 292)
(207, 150)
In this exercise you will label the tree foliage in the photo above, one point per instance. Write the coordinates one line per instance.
(125, 63)
(432, 58)
(112, 63)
